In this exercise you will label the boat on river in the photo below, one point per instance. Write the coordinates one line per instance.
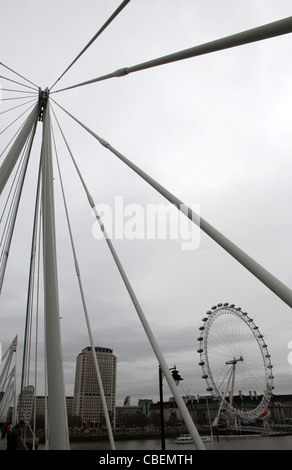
(187, 439)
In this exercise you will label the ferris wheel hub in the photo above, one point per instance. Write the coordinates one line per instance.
(235, 361)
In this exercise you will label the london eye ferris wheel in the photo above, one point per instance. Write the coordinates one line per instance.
(235, 361)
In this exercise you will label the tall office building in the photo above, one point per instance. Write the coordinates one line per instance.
(87, 402)
(26, 404)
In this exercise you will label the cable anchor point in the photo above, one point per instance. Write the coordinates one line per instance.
(43, 100)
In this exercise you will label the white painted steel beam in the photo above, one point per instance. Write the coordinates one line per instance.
(274, 284)
(57, 412)
(277, 28)
(164, 367)
(160, 358)
(106, 24)
(15, 151)
(89, 329)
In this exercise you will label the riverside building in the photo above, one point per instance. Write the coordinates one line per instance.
(87, 403)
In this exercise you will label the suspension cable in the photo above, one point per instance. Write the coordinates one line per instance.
(19, 106)
(21, 76)
(13, 154)
(8, 197)
(9, 208)
(106, 24)
(260, 33)
(274, 284)
(14, 98)
(18, 83)
(15, 120)
(20, 91)
(152, 340)
(16, 203)
(99, 379)
(13, 138)
(37, 332)
(29, 304)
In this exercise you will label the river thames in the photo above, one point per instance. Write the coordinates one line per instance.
(223, 443)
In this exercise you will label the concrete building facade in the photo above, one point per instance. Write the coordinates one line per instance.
(87, 402)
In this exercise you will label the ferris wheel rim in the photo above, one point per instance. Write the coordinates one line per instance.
(230, 309)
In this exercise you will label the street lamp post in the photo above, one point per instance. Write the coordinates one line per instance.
(177, 378)
(161, 409)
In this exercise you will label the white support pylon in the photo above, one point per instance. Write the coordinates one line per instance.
(57, 413)
(13, 154)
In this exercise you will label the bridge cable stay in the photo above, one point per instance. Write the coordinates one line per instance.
(15, 206)
(11, 90)
(14, 98)
(5, 208)
(15, 135)
(21, 76)
(78, 273)
(10, 196)
(13, 138)
(9, 354)
(15, 107)
(20, 140)
(37, 334)
(274, 284)
(20, 151)
(25, 372)
(16, 119)
(106, 24)
(7, 380)
(32, 304)
(18, 83)
(8, 396)
(260, 33)
(7, 219)
(31, 308)
(165, 369)
(13, 212)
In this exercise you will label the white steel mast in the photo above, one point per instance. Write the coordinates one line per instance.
(57, 413)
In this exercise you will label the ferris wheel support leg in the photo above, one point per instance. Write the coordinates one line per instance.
(232, 385)
(57, 413)
(12, 156)
(231, 375)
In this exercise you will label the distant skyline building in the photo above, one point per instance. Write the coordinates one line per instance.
(127, 401)
(87, 403)
(26, 404)
(29, 404)
(145, 404)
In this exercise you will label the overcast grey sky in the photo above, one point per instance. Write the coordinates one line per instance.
(214, 130)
